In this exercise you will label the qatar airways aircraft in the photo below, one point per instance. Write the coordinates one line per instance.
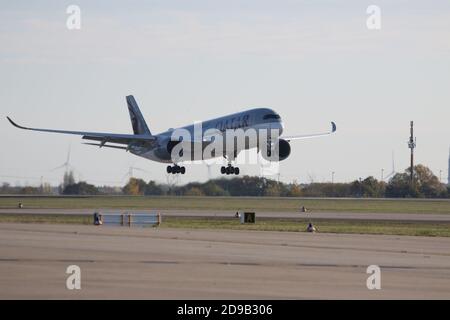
(170, 146)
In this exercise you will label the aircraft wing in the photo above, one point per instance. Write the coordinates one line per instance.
(314, 135)
(97, 136)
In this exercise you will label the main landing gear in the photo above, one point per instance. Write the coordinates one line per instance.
(229, 170)
(176, 169)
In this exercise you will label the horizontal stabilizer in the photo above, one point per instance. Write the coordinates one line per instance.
(106, 145)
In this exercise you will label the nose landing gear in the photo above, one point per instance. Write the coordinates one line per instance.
(176, 169)
(229, 170)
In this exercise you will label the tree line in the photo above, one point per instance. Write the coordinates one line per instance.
(424, 185)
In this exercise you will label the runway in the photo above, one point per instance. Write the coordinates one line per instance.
(425, 217)
(188, 264)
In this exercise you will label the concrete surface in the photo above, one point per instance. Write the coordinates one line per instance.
(187, 264)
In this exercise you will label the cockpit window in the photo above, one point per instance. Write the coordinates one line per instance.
(271, 116)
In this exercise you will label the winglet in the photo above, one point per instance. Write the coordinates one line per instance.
(333, 126)
(15, 124)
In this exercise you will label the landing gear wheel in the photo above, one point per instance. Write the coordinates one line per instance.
(176, 169)
(229, 170)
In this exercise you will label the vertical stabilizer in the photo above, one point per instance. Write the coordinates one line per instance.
(137, 120)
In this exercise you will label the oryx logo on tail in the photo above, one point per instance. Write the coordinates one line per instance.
(137, 120)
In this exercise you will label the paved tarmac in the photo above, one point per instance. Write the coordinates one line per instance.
(124, 263)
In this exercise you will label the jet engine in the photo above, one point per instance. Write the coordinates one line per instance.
(282, 148)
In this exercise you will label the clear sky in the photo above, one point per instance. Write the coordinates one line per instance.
(311, 61)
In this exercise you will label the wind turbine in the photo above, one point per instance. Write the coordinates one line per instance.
(172, 179)
(130, 172)
(68, 168)
(66, 164)
(390, 175)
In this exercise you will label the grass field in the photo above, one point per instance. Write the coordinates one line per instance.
(233, 204)
(242, 203)
(290, 225)
(324, 226)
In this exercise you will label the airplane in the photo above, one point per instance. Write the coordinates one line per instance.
(159, 147)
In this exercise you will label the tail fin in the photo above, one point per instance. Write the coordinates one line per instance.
(137, 120)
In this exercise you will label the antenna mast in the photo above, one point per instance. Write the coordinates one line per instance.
(412, 146)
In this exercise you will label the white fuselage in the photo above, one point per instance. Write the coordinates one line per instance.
(256, 119)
